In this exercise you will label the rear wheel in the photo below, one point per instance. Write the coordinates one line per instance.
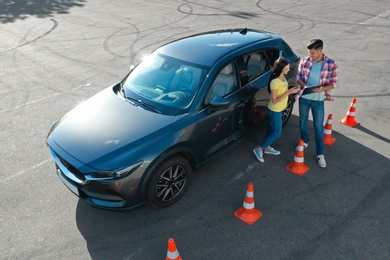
(169, 182)
(286, 113)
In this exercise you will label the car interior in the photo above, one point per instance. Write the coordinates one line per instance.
(257, 64)
(224, 83)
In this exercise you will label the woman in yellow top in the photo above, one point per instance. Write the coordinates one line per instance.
(278, 102)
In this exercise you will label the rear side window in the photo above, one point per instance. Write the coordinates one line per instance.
(257, 65)
(273, 55)
(287, 52)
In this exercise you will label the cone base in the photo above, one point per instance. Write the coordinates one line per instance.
(350, 123)
(329, 141)
(298, 169)
(248, 217)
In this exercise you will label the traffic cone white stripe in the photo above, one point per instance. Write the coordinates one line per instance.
(249, 193)
(249, 205)
(299, 148)
(327, 131)
(173, 255)
(351, 113)
(297, 159)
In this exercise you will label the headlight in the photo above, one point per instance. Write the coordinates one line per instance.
(115, 174)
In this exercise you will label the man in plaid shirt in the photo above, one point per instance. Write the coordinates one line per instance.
(315, 70)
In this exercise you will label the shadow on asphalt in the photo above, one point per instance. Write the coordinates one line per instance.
(11, 10)
(340, 212)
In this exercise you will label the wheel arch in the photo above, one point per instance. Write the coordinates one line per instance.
(184, 151)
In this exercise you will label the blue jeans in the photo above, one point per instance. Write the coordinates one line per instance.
(274, 128)
(317, 110)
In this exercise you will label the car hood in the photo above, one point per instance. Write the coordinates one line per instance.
(103, 124)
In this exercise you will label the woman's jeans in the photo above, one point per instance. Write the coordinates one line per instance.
(274, 128)
(317, 110)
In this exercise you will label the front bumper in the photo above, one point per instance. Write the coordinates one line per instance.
(120, 194)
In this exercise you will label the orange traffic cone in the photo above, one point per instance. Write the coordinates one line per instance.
(328, 139)
(349, 119)
(297, 166)
(248, 213)
(172, 253)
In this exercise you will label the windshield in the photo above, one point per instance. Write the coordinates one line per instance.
(165, 83)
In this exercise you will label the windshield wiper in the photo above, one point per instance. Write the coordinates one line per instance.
(143, 104)
(123, 90)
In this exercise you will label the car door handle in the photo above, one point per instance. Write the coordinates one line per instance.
(242, 104)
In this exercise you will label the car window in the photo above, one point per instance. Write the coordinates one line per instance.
(224, 83)
(241, 64)
(257, 64)
(273, 55)
(164, 81)
(287, 52)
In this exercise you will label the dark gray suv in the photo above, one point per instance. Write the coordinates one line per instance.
(138, 140)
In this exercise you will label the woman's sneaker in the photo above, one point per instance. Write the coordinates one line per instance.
(259, 154)
(271, 151)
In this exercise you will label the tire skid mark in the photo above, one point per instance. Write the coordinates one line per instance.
(324, 21)
(377, 16)
(94, 24)
(158, 29)
(37, 38)
(243, 15)
(362, 96)
(15, 52)
(154, 30)
(42, 99)
(134, 53)
(240, 14)
(366, 25)
(159, 42)
(106, 42)
(21, 72)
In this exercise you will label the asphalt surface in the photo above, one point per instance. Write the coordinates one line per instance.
(56, 54)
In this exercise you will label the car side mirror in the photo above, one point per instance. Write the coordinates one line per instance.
(218, 103)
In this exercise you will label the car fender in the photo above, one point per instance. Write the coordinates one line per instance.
(179, 149)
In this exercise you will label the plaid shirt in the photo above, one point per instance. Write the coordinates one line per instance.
(328, 73)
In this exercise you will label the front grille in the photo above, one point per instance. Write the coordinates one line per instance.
(72, 169)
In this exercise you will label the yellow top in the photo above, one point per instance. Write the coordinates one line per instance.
(282, 87)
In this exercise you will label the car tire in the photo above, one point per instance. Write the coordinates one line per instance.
(169, 182)
(286, 113)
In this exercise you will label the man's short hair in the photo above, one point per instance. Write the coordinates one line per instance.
(316, 44)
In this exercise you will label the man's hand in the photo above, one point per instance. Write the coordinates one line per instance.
(320, 89)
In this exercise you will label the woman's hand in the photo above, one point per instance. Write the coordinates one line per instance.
(293, 90)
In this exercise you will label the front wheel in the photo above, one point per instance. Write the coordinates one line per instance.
(286, 113)
(169, 182)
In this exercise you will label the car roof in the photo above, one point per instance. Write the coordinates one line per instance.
(208, 47)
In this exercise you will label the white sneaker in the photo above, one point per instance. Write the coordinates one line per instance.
(321, 161)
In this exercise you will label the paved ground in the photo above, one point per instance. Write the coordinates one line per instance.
(55, 54)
